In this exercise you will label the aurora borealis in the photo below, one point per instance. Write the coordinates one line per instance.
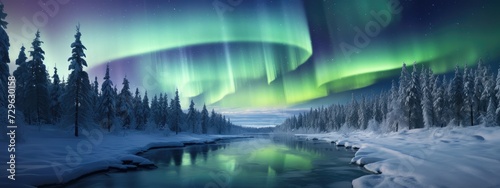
(244, 54)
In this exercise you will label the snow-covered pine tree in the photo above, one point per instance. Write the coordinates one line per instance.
(137, 110)
(159, 114)
(213, 120)
(438, 95)
(377, 110)
(489, 89)
(146, 110)
(413, 102)
(394, 114)
(397, 111)
(447, 108)
(22, 74)
(384, 105)
(170, 117)
(95, 86)
(78, 95)
(37, 98)
(124, 105)
(204, 120)
(469, 104)
(95, 94)
(95, 99)
(4, 57)
(191, 117)
(107, 108)
(220, 123)
(164, 110)
(55, 96)
(229, 126)
(362, 114)
(490, 117)
(353, 115)
(176, 113)
(404, 84)
(155, 111)
(479, 106)
(427, 78)
(456, 97)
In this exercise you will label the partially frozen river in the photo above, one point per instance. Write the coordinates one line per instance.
(256, 162)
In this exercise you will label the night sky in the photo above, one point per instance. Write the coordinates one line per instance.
(259, 61)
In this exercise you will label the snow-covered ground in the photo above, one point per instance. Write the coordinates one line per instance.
(434, 157)
(51, 156)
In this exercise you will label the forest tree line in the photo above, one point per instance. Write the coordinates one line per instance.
(43, 99)
(419, 99)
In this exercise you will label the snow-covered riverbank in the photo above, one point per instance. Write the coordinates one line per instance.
(435, 157)
(51, 156)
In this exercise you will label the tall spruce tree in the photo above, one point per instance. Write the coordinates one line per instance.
(125, 105)
(363, 115)
(469, 101)
(163, 110)
(78, 95)
(413, 101)
(456, 96)
(399, 113)
(107, 108)
(155, 107)
(352, 117)
(146, 110)
(427, 82)
(22, 74)
(438, 95)
(55, 96)
(37, 90)
(176, 113)
(489, 90)
(191, 117)
(490, 118)
(204, 120)
(155, 111)
(95, 98)
(137, 110)
(479, 107)
(213, 120)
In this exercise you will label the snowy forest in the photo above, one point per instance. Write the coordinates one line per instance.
(420, 99)
(43, 99)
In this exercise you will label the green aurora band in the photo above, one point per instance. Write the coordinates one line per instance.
(268, 45)
(264, 59)
(260, 54)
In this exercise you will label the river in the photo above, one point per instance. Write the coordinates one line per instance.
(269, 161)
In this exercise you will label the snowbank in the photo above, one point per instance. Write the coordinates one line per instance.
(51, 156)
(435, 157)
